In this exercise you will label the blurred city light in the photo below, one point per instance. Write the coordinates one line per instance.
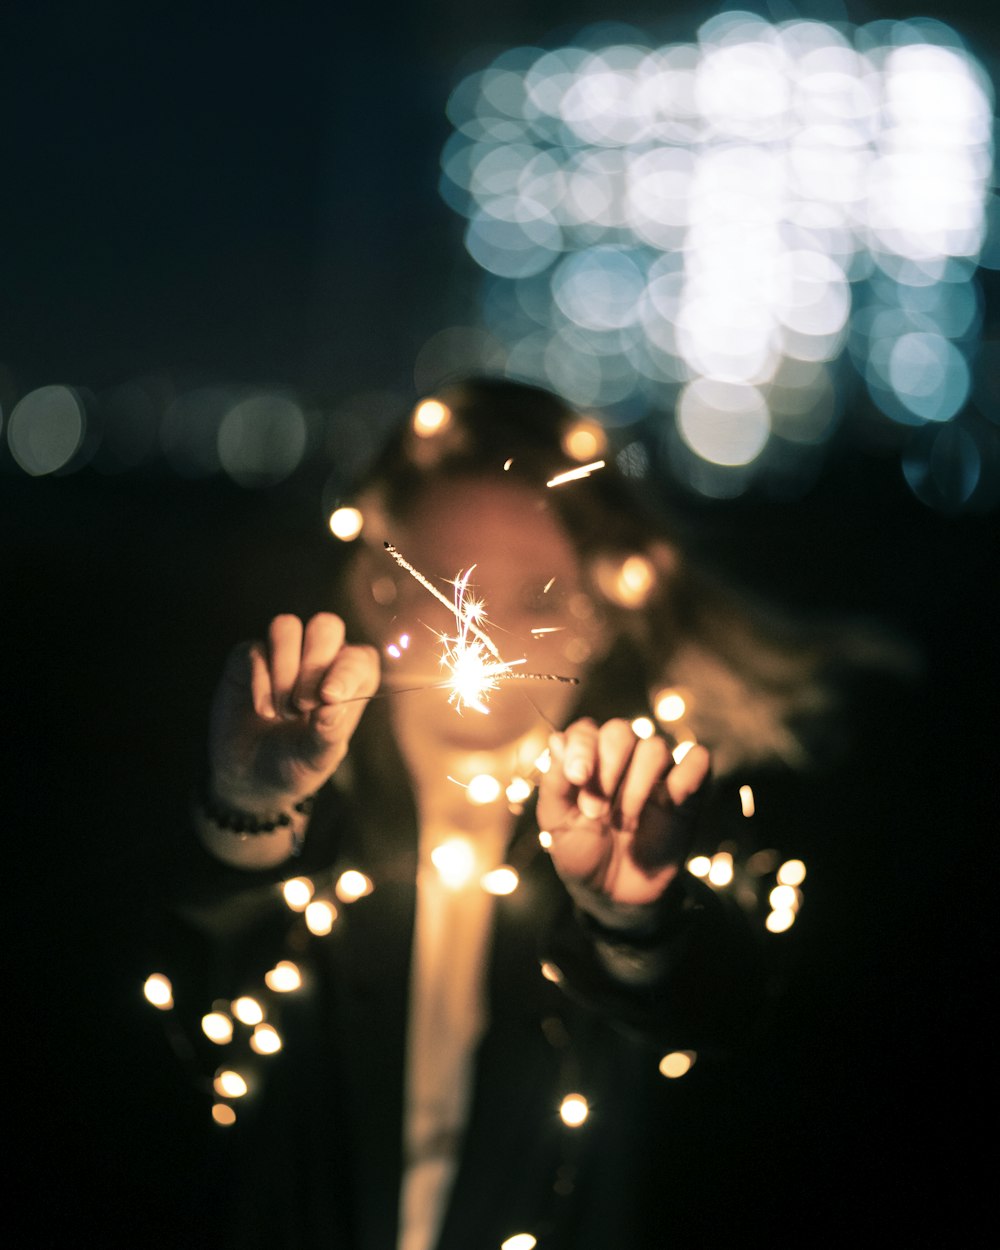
(703, 228)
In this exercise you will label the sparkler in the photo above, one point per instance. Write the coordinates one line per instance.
(573, 475)
(471, 658)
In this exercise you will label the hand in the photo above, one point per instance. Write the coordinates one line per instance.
(619, 811)
(283, 716)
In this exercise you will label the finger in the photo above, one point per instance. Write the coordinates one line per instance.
(284, 638)
(649, 764)
(349, 682)
(260, 683)
(580, 752)
(323, 639)
(687, 778)
(616, 742)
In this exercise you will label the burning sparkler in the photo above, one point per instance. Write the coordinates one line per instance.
(471, 658)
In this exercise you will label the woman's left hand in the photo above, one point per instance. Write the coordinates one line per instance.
(619, 810)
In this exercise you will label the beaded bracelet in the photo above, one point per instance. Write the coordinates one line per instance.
(235, 821)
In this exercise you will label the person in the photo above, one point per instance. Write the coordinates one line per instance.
(477, 1049)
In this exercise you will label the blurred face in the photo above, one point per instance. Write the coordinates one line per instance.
(536, 606)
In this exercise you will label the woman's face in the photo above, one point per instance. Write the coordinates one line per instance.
(537, 606)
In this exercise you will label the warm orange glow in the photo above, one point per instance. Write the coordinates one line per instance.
(669, 705)
(545, 839)
(320, 916)
(229, 1084)
(217, 1027)
(721, 871)
(352, 885)
(792, 872)
(346, 523)
(483, 789)
(573, 1110)
(297, 892)
(574, 475)
(223, 1114)
(544, 761)
(677, 1063)
(502, 880)
(265, 1040)
(551, 973)
(518, 790)
(779, 921)
(746, 800)
(455, 861)
(585, 440)
(700, 866)
(159, 991)
(643, 727)
(284, 977)
(430, 417)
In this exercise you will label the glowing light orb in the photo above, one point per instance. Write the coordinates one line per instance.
(721, 871)
(519, 1241)
(699, 866)
(784, 898)
(284, 977)
(669, 706)
(677, 1063)
(352, 885)
(780, 921)
(681, 749)
(747, 800)
(297, 892)
(503, 880)
(230, 1084)
(545, 839)
(643, 727)
(265, 1040)
(223, 1114)
(248, 1010)
(159, 991)
(792, 872)
(519, 790)
(346, 523)
(320, 917)
(483, 789)
(573, 1110)
(217, 1027)
(455, 861)
(430, 417)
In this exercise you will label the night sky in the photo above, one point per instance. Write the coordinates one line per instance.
(247, 196)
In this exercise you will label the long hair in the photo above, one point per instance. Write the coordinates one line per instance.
(753, 683)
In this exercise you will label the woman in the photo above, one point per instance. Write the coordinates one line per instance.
(417, 1101)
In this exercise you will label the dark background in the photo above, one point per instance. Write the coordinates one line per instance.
(247, 194)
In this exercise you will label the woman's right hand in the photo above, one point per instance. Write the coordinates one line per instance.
(284, 712)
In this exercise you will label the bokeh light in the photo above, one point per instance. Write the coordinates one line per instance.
(45, 429)
(702, 227)
(158, 991)
(573, 1110)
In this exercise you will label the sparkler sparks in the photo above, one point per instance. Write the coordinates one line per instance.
(572, 475)
(471, 658)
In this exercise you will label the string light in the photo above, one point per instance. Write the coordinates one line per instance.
(780, 921)
(222, 1113)
(573, 1110)
(503, 880)
(265, 1040)
(669, 706)
(455, 862)
(519, 1241)
(159, 991)
(229, 1084)
(284, 977)
(700, 866)
(792, 872)
(721, 871)
(677, 1063)
(297, 892)
(346, 523)
(217, 1027)
(643, 727)
(483, 789)
(352, 885)
(519, 790)
(746, 800)
(681, 749)
(551, 973)
(784, 896)
(430, 417)
(320, 916)
(248, 1010)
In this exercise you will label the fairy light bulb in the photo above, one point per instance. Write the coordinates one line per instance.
(747, 804)
(545, 839)
(217, 1027)
(573, 1110)
(779, 921)
(643, 727)
(229, 1084)
(266, 1040)
(792, 872)
(297, 892)
(503, 880)
(519, 1241)
(284, 977)
(455, 862)
(519, 790)
(346, 523)
(634, 581)
(222, 1113)
(551, 973)
(669, 706)
(677, 1063)
(681, 749)
(699, 866)
(430, 417)
(352, 885)
(584, 440)
(784, 896)
(721, 871)
(248, 1010)
(483, 789)
(320, 916)
(159, 991)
